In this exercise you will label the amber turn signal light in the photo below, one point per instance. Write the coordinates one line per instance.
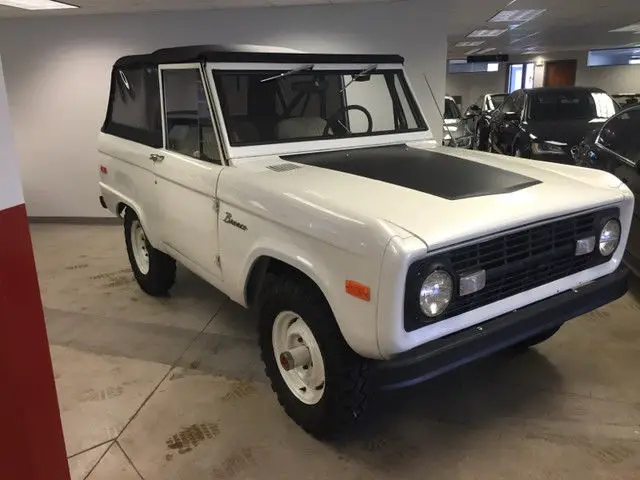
(358, 290)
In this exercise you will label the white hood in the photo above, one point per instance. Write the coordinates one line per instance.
(547, 191)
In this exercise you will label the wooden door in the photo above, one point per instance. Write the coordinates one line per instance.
(561, 73)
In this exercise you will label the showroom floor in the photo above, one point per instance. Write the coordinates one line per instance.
(174, 389)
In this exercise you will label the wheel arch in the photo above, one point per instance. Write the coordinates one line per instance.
(271, 262)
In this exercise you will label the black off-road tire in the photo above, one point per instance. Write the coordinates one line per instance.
(347, 389)
(162, 268)
(536, 339)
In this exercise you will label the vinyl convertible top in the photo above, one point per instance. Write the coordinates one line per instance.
(247, 53)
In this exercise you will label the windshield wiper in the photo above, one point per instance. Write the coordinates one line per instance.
(303, 68)
(363, 73)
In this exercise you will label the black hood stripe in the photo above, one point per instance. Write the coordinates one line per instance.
(426, 171)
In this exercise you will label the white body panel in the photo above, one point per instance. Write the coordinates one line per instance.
(336, 227)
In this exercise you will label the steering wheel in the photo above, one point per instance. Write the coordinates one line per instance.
(335, 120)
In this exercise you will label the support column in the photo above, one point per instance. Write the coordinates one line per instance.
(31, 441)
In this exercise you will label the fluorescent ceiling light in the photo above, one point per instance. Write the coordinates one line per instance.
(36, 4)
(633, 28)
(472, 51)
(517, 15)
(486, 33)
(486, 50)
(475, 43)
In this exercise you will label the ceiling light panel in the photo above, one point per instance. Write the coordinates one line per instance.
(520, 16)
(36, 4)
(475, 43)
(486, 50)
(480, 33)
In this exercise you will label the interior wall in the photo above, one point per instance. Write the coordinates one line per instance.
(57, 73)
(613, 79)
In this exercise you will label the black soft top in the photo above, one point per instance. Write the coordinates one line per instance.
(247, 53)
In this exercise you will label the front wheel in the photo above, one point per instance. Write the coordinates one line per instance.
(320, 382)
(155, 271)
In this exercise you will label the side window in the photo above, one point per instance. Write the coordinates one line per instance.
(519, 101)
(188, 124)
(134, 106)
(509, 104)
(620, 135)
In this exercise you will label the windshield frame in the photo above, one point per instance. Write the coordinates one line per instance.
(421, 133)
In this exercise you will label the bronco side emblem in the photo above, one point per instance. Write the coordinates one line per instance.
(228, 218)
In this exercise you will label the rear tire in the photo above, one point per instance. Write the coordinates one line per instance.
(154, 270)
(336, 375)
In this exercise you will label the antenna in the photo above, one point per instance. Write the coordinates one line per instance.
(437, 104)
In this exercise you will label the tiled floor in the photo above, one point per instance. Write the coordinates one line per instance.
(174, 389)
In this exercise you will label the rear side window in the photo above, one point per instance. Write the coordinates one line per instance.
(134, 106)
(620, 135)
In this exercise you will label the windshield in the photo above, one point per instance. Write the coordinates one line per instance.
(570, 105)
(496, 101)
(263, 107)
(451, 110)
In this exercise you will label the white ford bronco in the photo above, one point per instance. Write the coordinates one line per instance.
(309, 188)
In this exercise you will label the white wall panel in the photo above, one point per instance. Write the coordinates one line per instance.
(57, 72)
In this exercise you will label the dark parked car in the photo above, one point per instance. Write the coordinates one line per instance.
(615, 147)
(546, 123)
(454, 131)
(478, 116)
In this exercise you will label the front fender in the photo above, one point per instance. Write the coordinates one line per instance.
(326, 265)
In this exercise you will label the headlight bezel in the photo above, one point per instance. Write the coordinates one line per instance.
(451, 285)
(416, 275)
(603, 225)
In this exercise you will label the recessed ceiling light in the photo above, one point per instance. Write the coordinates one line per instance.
(486, 33)
(517, 15)
(486, 50)
(36, 4)
(633, 28)
(472, 51)
(475, 43)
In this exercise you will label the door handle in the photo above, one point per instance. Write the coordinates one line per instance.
(156, 158)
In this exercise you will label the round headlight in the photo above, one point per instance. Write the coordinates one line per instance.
(436, 293)
(609, 237)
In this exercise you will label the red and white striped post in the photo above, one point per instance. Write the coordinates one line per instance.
(31, 441)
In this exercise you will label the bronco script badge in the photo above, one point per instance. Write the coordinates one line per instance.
(228, 218)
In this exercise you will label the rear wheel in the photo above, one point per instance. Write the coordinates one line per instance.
(155, 271)
(320, 382)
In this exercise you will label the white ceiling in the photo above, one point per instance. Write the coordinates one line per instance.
(566, 25)
(126, 6)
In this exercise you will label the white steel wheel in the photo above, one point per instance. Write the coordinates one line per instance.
(306, 380)
(139, 247)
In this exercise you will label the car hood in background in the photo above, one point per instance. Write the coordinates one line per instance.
(570, 132)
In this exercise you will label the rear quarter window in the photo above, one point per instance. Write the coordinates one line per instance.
(134, 106)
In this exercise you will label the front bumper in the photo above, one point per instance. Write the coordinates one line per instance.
(448, 353)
